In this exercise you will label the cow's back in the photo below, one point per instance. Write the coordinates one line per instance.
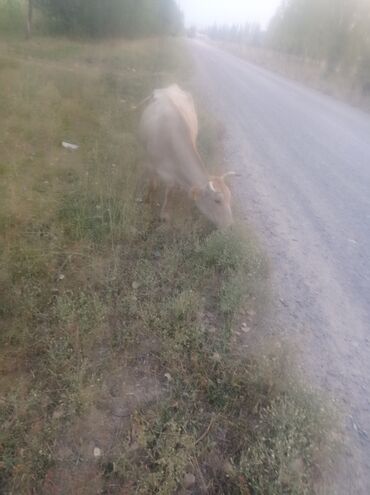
(184, 104)
(169, 129)
(159, 126)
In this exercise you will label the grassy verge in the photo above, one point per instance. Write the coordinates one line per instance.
(117, 352)
(341, 85)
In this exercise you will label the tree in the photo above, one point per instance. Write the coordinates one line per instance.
(247, 34)
(29, 18)
(336, 33)
(113, 17)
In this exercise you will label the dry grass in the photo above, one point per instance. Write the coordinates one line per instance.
(117, 332)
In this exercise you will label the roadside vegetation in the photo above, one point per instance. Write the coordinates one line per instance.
(92, 18)
(123, 358)
(321, 43)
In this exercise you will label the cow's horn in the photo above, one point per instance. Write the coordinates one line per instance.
(211, 186)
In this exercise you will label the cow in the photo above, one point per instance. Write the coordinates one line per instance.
(168, 131)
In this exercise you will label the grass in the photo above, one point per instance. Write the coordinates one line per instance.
(118, 333)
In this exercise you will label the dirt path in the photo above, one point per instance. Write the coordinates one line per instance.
(305, 165)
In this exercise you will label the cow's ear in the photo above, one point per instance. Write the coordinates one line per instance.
(194, 193)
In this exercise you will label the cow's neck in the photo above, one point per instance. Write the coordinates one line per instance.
(191, 168)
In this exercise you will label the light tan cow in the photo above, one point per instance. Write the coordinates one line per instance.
(169, 131)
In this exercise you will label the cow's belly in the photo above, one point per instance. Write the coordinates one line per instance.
(165, 172)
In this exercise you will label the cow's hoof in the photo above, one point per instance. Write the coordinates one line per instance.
(165, 217)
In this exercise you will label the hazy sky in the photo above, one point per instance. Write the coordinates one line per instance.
(206, 12)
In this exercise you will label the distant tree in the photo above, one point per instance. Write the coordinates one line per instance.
(247, 34)
(113, 17)
(12, 18)
(29, 18)
(334, 32)
(191, 32)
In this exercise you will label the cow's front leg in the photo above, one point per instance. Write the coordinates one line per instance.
(151, 189)
(165, 214)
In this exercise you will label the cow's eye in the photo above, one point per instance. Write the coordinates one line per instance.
(218, 201)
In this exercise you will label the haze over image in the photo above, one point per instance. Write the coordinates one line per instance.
(184, 247)
(209, 12)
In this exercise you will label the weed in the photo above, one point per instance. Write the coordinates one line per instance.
(226, 250)
(232, 428)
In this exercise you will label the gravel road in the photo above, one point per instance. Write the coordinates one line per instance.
(305, 164)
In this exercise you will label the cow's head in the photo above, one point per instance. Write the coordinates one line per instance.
(214, 201)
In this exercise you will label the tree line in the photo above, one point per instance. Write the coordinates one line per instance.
(95, 18)
(247, 33)
(334, 32)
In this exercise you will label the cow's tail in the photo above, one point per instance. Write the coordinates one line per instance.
(142, 103)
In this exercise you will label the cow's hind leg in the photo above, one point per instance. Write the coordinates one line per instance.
(165, 214)
(151, 188)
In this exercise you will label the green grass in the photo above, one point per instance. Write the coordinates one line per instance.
(229, 427)
(118, 331)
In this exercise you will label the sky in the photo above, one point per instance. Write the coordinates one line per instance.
(204, 13)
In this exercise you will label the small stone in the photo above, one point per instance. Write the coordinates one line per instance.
(244, 325)
(61, 276)
(189, 480)
(168, 376)
(216, 357)
(157, 254)
(228, 468)
(135, 285)
(97, 452)
(58, 413)
(246, 329)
